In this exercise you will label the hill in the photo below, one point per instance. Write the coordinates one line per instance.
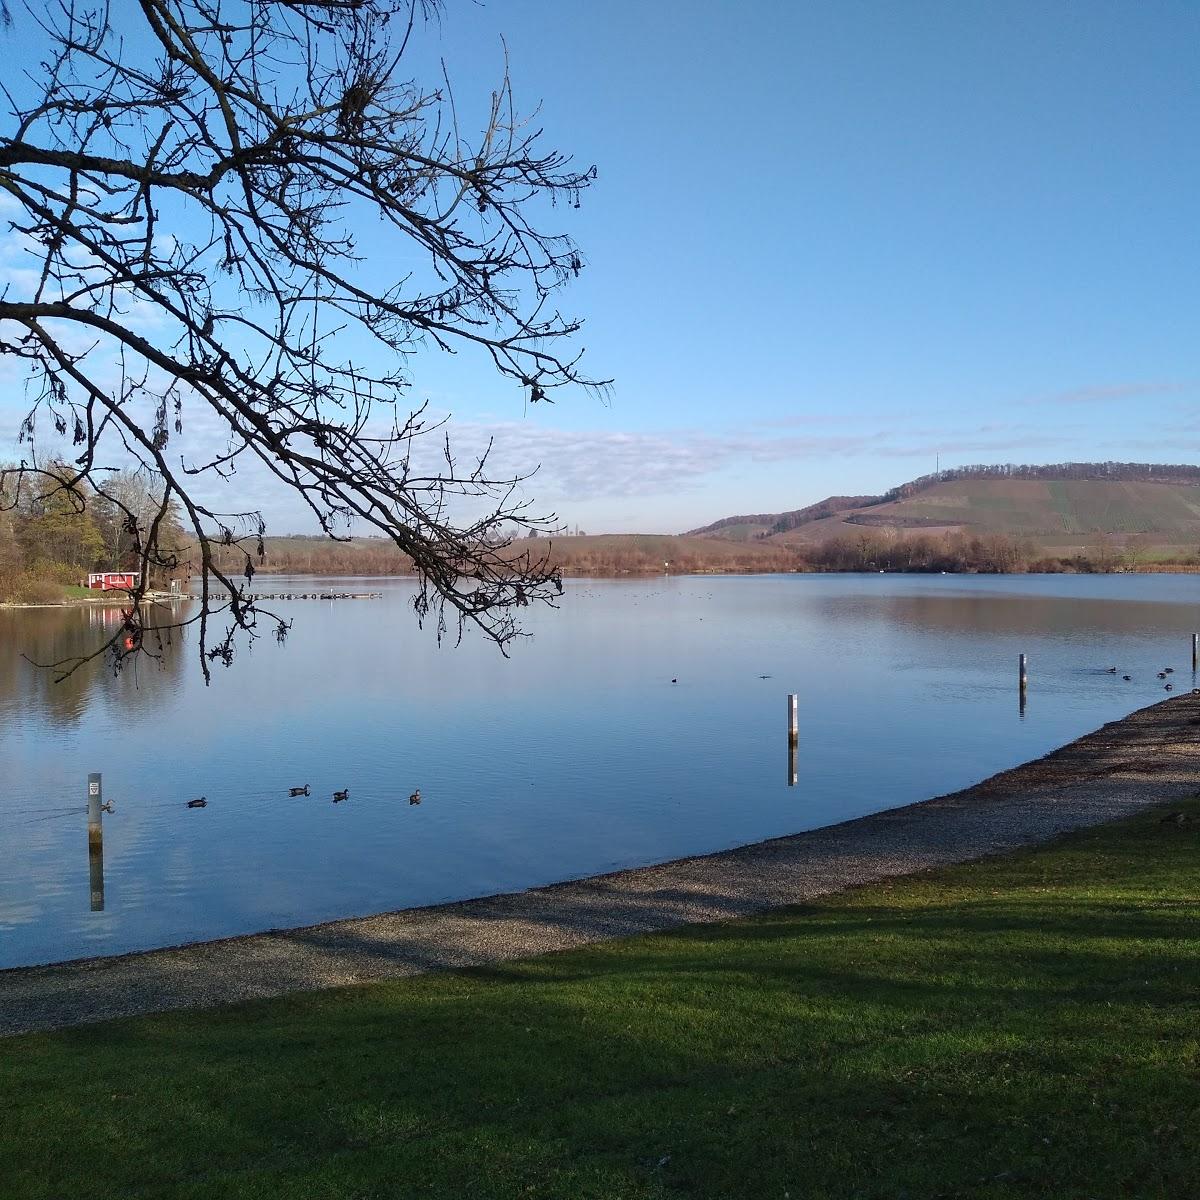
(741, 529)
(737, 529)
(1062, 508)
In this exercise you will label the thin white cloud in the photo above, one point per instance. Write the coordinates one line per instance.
(588, 464)
(1111, 392)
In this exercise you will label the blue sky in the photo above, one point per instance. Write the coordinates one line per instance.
(830, 242)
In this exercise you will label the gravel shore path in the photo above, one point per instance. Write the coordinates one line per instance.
(1151, 757)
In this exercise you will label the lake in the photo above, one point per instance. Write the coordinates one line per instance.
(577, 755)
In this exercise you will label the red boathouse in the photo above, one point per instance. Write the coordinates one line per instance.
(107, 581)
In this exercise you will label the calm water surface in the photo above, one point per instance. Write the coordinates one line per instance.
(577, 755)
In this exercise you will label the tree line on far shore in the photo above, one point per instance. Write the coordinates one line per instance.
(864, 550)
(982, 553)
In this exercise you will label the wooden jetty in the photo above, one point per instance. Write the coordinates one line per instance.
(255, 597)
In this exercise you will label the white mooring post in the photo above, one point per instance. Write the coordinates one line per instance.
(95, 797)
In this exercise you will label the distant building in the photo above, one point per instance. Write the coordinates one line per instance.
(107, 581)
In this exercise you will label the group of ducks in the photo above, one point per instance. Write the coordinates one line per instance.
(338, 797)
(1170, 687)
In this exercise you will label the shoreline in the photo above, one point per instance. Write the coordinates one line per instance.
(160, 597)
(1148, 758)
(86, 601)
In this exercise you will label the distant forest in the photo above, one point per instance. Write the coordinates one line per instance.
(744, 519)
(782, 522)
(818, 511)
(1109, 472)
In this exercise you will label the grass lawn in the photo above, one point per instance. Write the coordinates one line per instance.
(1029, 1026)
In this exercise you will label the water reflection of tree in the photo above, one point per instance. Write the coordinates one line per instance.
(41, 635)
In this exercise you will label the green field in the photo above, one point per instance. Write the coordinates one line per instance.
(1019, 506)
(1028, 1026)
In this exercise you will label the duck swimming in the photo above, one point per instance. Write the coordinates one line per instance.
(415, 798)
(200, 803)
(338, 797)
(300, 791)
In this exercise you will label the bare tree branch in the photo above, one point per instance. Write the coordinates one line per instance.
(192, 211)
